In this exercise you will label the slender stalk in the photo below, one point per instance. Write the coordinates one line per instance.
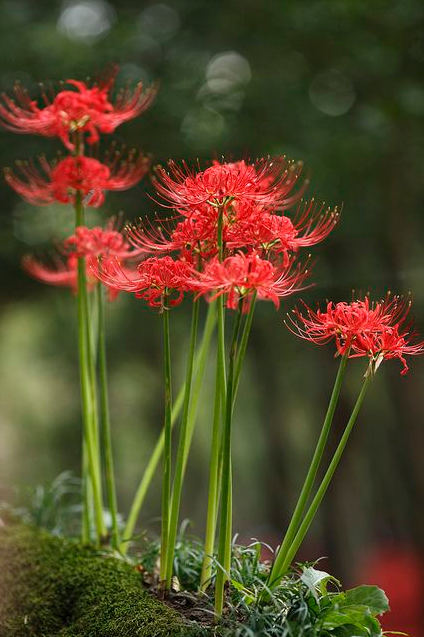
(225, 532)
(88, 407)
(166, 479)
(214, 466)
(229, 532)
(105, 418)
(199, 369)
(182, 448)
(92, 321)
(216, 442)
(242, 347)
(243, 343)
(198, 382)
(312, 472)
(86, 497)
(213, 498)
(310, 514)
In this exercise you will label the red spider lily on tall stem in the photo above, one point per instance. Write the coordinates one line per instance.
(362, 328)
(77, 115)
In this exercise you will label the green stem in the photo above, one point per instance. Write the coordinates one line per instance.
(241, 352)
(215, 471)
(310, 514)
(243, 343)
(182, 448)
(88, 406)
(198, 380)
(105, 419)
(199, 367)
(166, 479)
(312, 472)
(213, 498)
(242, 348)
(86, 497)
(92, 349)
(229, 531)
(225, 531)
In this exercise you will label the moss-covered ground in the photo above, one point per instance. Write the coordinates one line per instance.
(51, 586)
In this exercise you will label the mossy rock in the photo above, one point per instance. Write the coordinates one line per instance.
(54, 587)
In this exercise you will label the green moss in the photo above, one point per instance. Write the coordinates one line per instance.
(51, 586)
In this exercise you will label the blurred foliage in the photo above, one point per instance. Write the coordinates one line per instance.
(337, 84)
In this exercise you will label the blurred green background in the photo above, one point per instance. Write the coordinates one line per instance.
(337, 84)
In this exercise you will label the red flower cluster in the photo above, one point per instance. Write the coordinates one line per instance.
(90, 243)
(258, 241)
(73, 174)
(375, 330)
(78, 109)
(250, 198)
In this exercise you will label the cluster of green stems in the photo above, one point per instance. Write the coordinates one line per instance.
(97, 457)
(302, 516)
(220, 485)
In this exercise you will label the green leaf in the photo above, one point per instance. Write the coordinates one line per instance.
(355, 616)
(317, 581)
(371, 596)
(248, 595)
(364, 624)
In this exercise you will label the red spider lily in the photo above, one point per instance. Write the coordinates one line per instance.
(361, 328)
(86, 175)
(241, 275)
(342, 321)
(159, 281)
(80, 108)
(99, 242)
(268, 181)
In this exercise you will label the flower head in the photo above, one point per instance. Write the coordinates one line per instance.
(82, 108)
(361, 328)
(85, 175)
(270, 182)
(99, 242)
(85, 242)
(159, 281)
(243, 275)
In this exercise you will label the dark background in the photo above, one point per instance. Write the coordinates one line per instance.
(337, 84)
